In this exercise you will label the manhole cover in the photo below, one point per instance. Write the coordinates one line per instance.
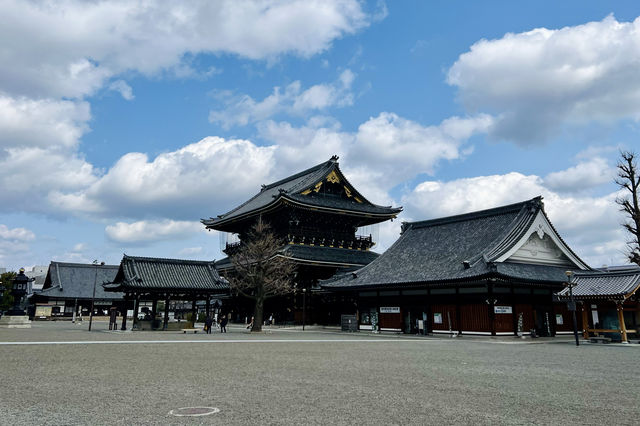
(193, 411)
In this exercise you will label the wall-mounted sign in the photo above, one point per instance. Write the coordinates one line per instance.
(389, 309)
(559, 319)
(437, 318)
(502, 309)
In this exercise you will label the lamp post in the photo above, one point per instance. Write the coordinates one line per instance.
(304, 307)
(93, 298)
(572, 306)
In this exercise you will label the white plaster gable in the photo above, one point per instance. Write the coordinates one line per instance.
(540, 244)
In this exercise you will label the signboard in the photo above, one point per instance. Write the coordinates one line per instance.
(502, 309)
(349, 323)
(559, 319)
(437, 318)
(389, 309)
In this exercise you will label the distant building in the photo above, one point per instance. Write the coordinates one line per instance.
(69, 287)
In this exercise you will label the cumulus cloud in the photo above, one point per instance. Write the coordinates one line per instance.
(590, 224)
(14, 241)
(240, 110)
(537, 81)
(384, 152)
(144, 232)
(581, 177)
(200, 178)
(41, 123)
(87, 43)
(15, 234)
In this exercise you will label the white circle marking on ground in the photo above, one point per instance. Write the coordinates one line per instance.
(193, 411)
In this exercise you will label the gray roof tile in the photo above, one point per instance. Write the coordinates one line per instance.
(147, 273)
(603, 285)
(76, 280)
(434, 251)
(291, 187)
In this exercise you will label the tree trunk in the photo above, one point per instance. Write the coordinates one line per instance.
(257, 314)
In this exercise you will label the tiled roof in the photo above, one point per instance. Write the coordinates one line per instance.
(603, 284)
(332, 255)
(321, 255)
(436, 251)
(76, 281)
(290, 189)
(147, 273)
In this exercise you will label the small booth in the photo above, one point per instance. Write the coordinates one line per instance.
(608, 303)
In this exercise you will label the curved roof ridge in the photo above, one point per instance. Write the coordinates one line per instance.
(299, 174)
(514, 232)
(563, 241)
(476, 214)
(270, 186)
(166, 259)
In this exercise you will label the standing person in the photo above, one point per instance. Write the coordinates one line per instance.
(223, 325)
(112, 319)
(271, 319)
(207, 323)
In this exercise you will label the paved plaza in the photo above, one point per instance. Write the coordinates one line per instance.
(66, 375)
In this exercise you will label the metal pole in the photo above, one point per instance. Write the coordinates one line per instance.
(93, 298)
(573, 312)
(304, 307)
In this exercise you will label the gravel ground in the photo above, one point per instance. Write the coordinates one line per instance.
(287, 376)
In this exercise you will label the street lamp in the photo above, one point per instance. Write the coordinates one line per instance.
(304, 307)
(572, 305)
(93, 298)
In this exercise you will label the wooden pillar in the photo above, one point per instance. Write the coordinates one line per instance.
(165, 323)
(136, 308)
(491, 301)
(623, 327)
(208, 306)
(585, 321)
(154, 310)
(194, 313)
(514, 314)
(124, 314)
(458, 311)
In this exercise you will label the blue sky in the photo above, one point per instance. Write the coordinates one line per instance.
(123, 123)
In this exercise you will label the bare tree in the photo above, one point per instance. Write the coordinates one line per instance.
(629, 180)
(261, 271)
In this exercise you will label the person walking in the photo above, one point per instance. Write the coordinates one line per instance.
(223, 325)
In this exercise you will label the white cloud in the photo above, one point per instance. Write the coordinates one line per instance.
(240, 110)
(16, 234)
(590, 225)
(41, 123)
(190, 251)
(581, 177)
(71, 48)
(198, 179)
(123, 88)
(13, 241)
(384, 152)
(539, 80)
(143, 232)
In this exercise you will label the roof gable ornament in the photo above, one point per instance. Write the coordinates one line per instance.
(541, 244)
